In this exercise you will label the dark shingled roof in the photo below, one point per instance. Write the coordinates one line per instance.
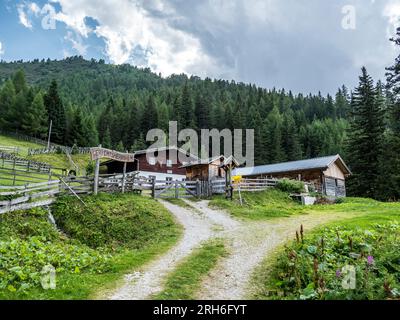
(309, 164)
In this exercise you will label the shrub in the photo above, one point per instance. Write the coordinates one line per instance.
(312, 268)
(90, 168)
(291, 186)
(28, 242)
(113, 220)
(22, 261)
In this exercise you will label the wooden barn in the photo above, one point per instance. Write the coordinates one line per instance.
(164, 164)
(327, 174)
(210, 169)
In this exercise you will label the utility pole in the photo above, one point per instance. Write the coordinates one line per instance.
(48, 139)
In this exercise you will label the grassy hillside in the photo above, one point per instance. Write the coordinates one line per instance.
(23, 146)
(55, 160)
(313, 268)
(113, 235)
(259, 205)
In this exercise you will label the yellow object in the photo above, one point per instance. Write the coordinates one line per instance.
(237, 179)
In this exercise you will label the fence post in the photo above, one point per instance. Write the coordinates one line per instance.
(15, 173)
(176, 191)
(96, 177)
(124, 177)
(153, 188)
(198, 188)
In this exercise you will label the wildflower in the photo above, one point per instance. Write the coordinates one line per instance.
(370, 260)
(338, 273)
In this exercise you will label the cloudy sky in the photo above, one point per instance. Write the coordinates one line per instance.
(301, 45)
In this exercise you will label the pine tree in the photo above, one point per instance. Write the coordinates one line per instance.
(77, 130)
(290, 139)
(390, 187)
(365, 138)
(56, 112)
(106, 119)
(186, 116)
(7, 104)
(163, 117)
(272, 135)
(202, 113)
(150, 116)
(34, 120)
(106, 142)
(133, 129)
(139, 144)
(20, 82)
(90, 132)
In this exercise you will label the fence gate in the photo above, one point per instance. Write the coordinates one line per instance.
(180, 189)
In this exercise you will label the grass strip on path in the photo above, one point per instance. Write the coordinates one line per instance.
(185, 280)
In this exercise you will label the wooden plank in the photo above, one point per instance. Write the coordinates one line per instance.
(26, 206)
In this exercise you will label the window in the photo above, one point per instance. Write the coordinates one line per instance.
(169, 163)
(152, 161)
(169, 171)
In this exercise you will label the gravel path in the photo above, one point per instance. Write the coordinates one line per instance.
(144, 283)
(248, 242)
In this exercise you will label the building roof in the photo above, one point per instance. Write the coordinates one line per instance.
(201, 161)
(310, 164)
(139, 152)
(164, 149)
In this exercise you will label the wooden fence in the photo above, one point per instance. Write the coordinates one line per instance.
(252, 185)
(18, 171)
(59, 149)
(33, 195)
(8, 149)
(43, 193)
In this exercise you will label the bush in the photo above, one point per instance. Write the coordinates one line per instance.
(291, 186)
(28, 242)
(114, 220)
(90, 168)
(312, 268)
(22, 261)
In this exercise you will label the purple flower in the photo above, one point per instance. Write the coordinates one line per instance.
(370, 260)
(338, 273)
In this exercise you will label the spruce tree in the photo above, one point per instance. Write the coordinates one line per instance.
(186, 116)
(390, 187)
(202, 113)
(7, 104)
(56, 113)
(90, 132)
(365, 139)
(106, 142)
(290, 139)
(106, 118)
(150, 116)
(77, 130)
(34, 120)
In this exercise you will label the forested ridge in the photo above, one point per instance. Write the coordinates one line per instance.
(117, 105)
(91, 102)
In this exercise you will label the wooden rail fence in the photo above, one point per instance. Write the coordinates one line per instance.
(33, 195)
(43, 193)
(254, 185)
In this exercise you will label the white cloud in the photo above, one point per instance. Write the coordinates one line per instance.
(23, 17)
(128, 29)
(1, 49)
(272, 43)
(392, 12)
(25, 11)
(77, 43)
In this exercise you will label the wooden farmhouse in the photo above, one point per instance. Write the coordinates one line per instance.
(210, 169)
(327, 174)
(162, 163)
